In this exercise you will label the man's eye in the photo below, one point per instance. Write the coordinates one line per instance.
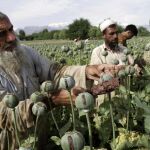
(2, 34)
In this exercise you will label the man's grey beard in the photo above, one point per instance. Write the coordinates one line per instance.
(12, 61)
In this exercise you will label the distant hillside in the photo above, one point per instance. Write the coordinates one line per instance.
(35, 29)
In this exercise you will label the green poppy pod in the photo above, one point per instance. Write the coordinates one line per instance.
(132, 70)
(115, 62)
(124, 58)
(36, 97)
(65, 48)
(121, 74)
(73, 140)
(39, 109)
(129, 70)
(104, 53)
(126, 51)
(11, 100)
(80, 45)
(47, 86)
(84, 101)
(66, 82)
(106, 77)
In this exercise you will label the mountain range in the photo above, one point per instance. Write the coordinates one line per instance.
(35, 29)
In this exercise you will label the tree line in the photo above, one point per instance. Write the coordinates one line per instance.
(80, 28)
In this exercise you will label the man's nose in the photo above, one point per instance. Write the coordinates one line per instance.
(10, 37)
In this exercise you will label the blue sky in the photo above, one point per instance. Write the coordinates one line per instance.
(44, 12)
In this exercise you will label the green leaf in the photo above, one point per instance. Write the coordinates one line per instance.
(65, 128)
(147, 123)
(56, 140)
(122, 89)
(142, 105)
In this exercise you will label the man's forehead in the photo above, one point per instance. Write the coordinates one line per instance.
(5, 24)
(111, 29)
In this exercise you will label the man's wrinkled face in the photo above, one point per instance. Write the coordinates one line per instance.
(7, 36)
(111, 35)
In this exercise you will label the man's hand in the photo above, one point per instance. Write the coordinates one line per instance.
(61, 97)
(94, 71)
(105, 87)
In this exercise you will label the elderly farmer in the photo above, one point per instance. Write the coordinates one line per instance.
(22, 70)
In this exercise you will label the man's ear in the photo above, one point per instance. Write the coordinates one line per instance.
(103, 35)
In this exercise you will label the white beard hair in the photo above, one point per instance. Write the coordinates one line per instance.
(12, 61)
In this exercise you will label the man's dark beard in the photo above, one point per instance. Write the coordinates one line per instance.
(111, 45)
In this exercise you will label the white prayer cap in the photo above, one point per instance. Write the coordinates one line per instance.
(106, 23)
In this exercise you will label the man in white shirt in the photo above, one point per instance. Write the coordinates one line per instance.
(110, 52)
(110, 46)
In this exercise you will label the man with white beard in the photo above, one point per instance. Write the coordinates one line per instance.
(22, 70)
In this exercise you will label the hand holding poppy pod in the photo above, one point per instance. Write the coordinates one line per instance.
(93, 72)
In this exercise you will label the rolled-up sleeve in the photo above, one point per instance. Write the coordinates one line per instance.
(78, 72)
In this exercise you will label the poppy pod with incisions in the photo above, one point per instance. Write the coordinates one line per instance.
(67, 82)
(73, 140)
(84, 101)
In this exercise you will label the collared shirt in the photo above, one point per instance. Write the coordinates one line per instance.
(98, 58)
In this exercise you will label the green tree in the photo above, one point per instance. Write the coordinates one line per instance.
(56, 35)
(120, 28)
(143, 31)
(92, 32)
(45, 31)
(62, 34)
(79, 29)
(95, 33)
(22, 35)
